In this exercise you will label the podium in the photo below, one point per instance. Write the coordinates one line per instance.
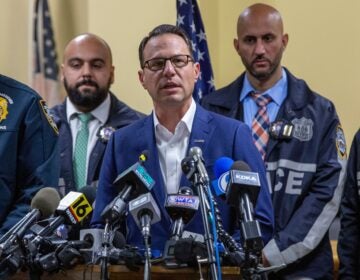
(118, 272)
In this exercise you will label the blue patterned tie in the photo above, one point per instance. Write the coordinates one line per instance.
(261, 122)
(79, 161)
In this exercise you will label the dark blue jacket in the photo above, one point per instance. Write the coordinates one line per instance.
(120, 115)
(217, 136)
(349, 237)
(28, 149)
(306, 175)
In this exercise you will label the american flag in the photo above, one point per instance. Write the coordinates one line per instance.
(189, 18)
(45, 69)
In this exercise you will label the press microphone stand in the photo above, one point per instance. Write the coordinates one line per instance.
(199, 185)
(105, 252)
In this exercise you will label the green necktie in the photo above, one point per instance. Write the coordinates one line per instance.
(79, 161)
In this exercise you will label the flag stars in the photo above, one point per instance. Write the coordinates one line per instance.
(201, 55)
(48, 43)
(211, 83)
(180, 20)
(181, 2)
(201, 35)
(193, 28)
(193, 46)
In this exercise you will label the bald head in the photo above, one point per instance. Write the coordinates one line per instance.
(260, 13)
(260, 43)
(89, 39)
(87, 71)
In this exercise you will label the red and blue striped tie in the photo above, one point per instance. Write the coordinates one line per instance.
(261, 122)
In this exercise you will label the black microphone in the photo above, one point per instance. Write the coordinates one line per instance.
(131, 183)
(242, 193)
(145, 212)
(43, 205)
(181, 208)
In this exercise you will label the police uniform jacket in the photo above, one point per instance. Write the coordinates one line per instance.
(305, 172)
(28, 150)
(349, 237)
(120, 115)
(216, 136)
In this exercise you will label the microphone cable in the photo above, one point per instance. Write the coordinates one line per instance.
(214, 226)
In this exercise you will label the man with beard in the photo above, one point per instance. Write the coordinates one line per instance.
(298, 133)
(87, 74)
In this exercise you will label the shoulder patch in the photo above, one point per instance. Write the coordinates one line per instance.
(49, 118)
(340, 142)
(3, 108)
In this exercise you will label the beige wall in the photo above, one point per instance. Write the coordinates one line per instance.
(323, 48)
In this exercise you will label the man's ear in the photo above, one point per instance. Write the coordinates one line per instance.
(141, 78)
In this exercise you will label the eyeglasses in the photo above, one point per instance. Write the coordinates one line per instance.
(178, 61)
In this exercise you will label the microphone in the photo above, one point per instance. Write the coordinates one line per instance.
(242, 193)
(43, 205)
(145, 213)
(73, 232)
(222, 173)
(94, 238)
(181, 208)
(196, 154)
(72, 209)
(131, 183)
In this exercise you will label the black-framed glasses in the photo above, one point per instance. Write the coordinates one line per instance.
(178, 61)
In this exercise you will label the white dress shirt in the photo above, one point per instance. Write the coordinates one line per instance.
(172, 148)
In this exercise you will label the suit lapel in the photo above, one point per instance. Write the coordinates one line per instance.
(146, 138)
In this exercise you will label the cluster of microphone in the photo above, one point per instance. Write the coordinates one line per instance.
(39, 241)
(36, 241)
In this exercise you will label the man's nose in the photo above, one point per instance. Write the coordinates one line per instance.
(169, 69)
(259, 47)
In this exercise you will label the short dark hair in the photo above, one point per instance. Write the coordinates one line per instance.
(160, 30)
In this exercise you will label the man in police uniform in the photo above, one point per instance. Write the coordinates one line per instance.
(305, 155)
(87, 73)
(28, 150)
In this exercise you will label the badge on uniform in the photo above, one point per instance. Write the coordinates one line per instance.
(303, 129)
(5, 100)
(104, 133)
(49, 118)
(340, 142)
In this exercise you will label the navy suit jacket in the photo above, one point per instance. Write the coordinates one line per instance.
(120, 115)
(217, 136)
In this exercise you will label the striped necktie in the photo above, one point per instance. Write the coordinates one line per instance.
(261, 122)
(81, 143)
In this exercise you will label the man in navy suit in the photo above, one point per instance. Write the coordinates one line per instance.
(87, 73)
(169, 72)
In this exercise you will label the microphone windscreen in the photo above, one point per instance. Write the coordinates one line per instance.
(46, 200)
(222, 165)
(241, 166)
(119, 240)
(89, 192)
